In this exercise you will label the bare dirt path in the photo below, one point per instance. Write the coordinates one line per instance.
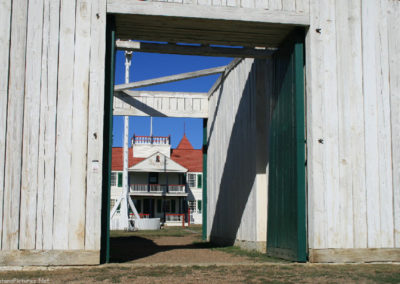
(176, 255)
(177, 246)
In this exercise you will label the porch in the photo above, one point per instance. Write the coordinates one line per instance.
(158, 189)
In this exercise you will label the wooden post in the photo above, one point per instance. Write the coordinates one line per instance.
(124, 202)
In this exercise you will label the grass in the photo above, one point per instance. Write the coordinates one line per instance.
(269, 273)
(164, 232)
(235, 250)
(267, 269)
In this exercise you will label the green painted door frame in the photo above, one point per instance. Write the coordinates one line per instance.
(107, 139)
(287, 171)
(204, 211)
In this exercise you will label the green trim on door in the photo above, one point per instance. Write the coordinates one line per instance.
(107, 140)
(205, 145)
(287, 188)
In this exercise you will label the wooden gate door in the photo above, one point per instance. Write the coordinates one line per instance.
(286, 236)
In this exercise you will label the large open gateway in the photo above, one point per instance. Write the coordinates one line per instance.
(300, 150)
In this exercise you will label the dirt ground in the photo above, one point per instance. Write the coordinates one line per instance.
(171, 246)
(176, 255)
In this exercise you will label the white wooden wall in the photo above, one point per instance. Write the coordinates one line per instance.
(169, 104)
(353, 75)
(286, 5)
(236, 160)
(51, 123)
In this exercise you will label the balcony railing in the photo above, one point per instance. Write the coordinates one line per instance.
(175, 218)
(158, 188)
(158, 140)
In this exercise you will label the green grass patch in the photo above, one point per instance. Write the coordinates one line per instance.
(164, 232)
(235, 250)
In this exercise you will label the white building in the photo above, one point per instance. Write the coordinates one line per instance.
(164, 183)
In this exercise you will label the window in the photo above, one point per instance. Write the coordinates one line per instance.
(191, 180)
(153, 178)
(112, 203)
(159, 205)
(138, 205)
(173, 205)
(199, 181)
(199, 206)
(192, 206)
(120, 177)
(157, 159)
(167, 205)
(113, 179)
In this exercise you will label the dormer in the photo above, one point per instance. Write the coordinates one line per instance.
(145, 146)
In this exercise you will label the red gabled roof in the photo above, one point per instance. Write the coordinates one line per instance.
(190, 159)
(117, 160)
(184, 154)
(185, 144)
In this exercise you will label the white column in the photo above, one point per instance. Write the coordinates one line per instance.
(125, 187)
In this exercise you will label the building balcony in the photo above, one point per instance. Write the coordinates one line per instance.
(157, 189)
(153, 140)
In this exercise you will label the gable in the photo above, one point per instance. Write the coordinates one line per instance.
(158, 163)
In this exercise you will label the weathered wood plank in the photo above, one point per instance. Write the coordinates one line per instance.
(351, 128)
(5, 22)
(47, 140)
(49, 257)
(172, 78)
(377, 125)
(275, 5)
(148, 103)
(95, 126)
(192, 50)
(222, 13)
(261, 4)
(355, 255)
(29, 178)
(369, 21)
(15, 119)
(64, 125)
(289, 5)
(384, 129)
(393, 14)
(77, 199)
(351, 192)
(302, 6)
(322, 137)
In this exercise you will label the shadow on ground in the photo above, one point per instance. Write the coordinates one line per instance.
(126, 249)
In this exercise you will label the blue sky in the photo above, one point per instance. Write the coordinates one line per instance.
(151, 65)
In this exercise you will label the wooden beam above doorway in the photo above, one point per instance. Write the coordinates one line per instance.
(204, 50)
(150, 8)
(161, 104)
(169, 79)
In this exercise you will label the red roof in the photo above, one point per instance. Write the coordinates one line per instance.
(190, 159)
(184, 155)
(185, 144)
(117, 160)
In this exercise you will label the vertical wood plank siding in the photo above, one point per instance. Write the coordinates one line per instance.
(15, 113)
(352, 90)
(393, 9)
(51, 125)
(5, 21)
(95, 126)
(232, 207)
(47, 133)
(51, 97)
(30, 154)
(64, 125)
